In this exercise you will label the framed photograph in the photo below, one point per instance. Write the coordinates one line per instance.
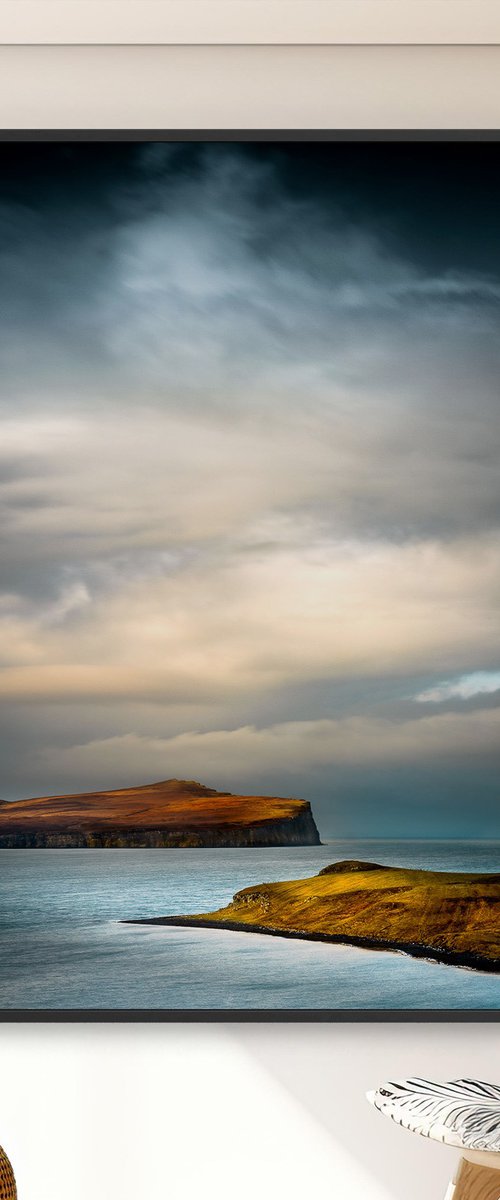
(250, 673)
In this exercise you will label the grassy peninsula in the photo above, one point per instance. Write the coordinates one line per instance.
(451, 917)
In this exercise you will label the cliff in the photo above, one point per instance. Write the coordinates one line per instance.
(172, 813)
(449, 917)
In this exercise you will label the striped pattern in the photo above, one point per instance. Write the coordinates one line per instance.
(463, 1112)
(8, 1189)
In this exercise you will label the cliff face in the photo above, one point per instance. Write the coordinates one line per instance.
(173, 813)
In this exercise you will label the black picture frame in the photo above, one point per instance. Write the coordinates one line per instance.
(249, 1016)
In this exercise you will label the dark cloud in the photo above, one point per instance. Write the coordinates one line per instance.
(249, 463)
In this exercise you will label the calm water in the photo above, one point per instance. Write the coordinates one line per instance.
(62, 944)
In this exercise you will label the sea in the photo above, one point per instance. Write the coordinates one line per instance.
(63, 944)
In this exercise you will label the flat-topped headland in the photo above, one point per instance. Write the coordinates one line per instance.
(173, 813)
(450, 917)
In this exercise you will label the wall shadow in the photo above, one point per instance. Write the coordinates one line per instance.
(329, 1068)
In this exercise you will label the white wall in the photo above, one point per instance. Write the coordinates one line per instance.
(232, 1112)
(249, 86)
(225, 1112)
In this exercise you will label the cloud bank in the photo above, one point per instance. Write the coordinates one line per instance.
(249, 488)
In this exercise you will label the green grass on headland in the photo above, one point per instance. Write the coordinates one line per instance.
(453, 917)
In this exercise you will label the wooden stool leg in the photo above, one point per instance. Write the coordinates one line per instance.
(474, 1182)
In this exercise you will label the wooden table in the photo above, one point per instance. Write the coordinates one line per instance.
(464, 1113)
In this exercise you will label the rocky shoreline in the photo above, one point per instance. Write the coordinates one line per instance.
(473, 962)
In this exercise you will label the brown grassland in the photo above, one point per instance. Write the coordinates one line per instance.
(174, 812)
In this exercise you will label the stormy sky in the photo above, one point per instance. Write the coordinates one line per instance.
(250, 427)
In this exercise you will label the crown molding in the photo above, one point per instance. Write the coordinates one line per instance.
(249, 22)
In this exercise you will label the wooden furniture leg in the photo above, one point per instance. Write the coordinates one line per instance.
(474, 1181)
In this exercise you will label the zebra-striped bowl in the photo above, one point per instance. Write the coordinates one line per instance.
(462, 1112)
